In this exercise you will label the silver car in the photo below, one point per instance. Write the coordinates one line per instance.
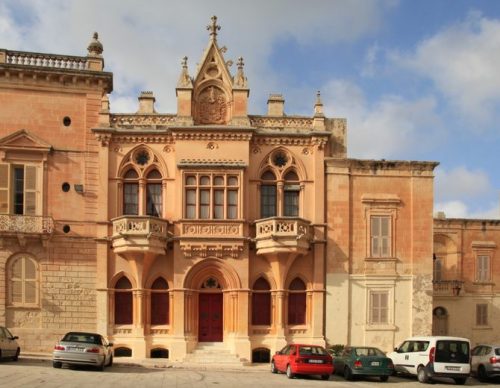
(9, 348)
(77, 348)
(485, 361)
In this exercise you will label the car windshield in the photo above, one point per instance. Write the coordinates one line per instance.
(312, 351)
(452, 351)
(82, 337)
(370, 352)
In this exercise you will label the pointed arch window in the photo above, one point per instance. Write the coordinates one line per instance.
(297, 302)
(131, 193)
(23, 282)
(123, 302)
(268, 195)
(159, 302)
(261, 302)
(291, 191)
(154, 194)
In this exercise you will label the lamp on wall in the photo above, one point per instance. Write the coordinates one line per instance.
(456, 289)
(79, 188)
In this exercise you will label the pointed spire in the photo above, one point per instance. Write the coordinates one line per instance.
(318, 106)
(213, 28)
(184, 79)
(95, 48)
(240, 80)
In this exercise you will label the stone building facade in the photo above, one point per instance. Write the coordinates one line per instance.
(165, 232)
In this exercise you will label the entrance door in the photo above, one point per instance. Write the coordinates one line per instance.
(210, 317)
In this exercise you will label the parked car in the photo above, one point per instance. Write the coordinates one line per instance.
(77, 348)
(9, 348)
(485, 361)
(299, 359)
(363, 361)
(433, 356)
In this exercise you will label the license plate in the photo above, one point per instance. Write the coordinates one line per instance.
(75, 349)
(375, 363)
(453, 368)
(315, 361)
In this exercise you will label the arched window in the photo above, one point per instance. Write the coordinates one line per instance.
(261, 302)
(123, 302)
(23, 282)
(131, 193)
(291, 191)
(159, 302)
(153, 194)
(297, 302)
(437, 270)
(268, 195)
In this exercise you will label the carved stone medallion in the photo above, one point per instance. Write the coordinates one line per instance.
(212, 106)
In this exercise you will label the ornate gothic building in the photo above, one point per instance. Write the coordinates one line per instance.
(165, 232)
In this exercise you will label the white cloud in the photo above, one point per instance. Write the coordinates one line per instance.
(389, 128)
(461, 182)
(144, 42)
(459, 209)
(462, 60)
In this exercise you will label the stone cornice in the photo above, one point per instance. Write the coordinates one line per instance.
(207, 163)
(466, 223)
(375, 165)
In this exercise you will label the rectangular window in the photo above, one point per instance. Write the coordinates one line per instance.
(204, 203)
(18, 186)
(232, 204)
(153, 199)
(191, 203)
(481, 315)
(18, 189)
(291, 201)
(218, 204)
(379, 307)
(380, 236)
(483, 268)
(130, 199)
(267, 201)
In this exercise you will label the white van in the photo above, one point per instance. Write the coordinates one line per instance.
(428, 357)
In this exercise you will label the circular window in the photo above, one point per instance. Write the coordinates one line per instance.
(67, 121)
(280, 159)
(66, 229)
(65, 187)
(142, 157)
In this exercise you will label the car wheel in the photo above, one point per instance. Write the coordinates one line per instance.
(16, 357)
(325, 377)
(289, 372)
(481, 373)
(110, 361)
(384, 378)
(273, 367)
(56, 364)
(348, 374)
(460, 380)
(422, 375)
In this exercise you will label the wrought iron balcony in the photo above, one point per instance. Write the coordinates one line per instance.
(35, 225)
(139, 234)
(282, 234)
(447, 287)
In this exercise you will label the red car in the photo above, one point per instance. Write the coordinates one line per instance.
(298, 359)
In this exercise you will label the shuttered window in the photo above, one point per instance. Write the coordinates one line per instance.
(297, 302)
(380, 236)
(483, 268)
(481, 315)
(4, 189)
(159, 302)
(18, 189)
(379, 307)
(261, 303)
(123, 302)
(23, 282)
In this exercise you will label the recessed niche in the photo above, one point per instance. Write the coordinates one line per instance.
(67, 121)
(66, 229)
(65, 187)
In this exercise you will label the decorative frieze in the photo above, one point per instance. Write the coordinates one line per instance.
(225, 229)
(26, 224)
(211, 250)
(281, 122)
(141, 120)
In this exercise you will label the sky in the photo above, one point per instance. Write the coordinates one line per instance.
(416, 80)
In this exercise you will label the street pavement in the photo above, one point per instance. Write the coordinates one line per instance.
(36, 372)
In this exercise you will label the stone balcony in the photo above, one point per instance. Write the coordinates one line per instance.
(447, 287)
(139, 234)
(282, 235)
(22, 227)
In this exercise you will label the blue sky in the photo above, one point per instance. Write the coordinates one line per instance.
(416, 80)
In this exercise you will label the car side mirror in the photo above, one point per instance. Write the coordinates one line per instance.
(277, 352)
(396, 350)
(110, 344)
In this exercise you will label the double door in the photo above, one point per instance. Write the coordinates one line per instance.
(210, 326)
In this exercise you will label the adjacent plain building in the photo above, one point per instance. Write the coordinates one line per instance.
(211, 227)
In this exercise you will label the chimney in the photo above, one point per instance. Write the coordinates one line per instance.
(146, 103)
(275, 105)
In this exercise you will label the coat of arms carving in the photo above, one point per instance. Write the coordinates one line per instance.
(212, 106)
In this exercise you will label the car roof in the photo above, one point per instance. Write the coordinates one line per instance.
(437, 338)
(80, 333)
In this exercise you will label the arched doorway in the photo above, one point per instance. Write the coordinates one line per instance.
(439, 321)
(210, 311)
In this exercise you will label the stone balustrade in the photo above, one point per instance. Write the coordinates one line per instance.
(447, 287)
(139, 233)
(13, 223)
(46, 60)
(282, 234)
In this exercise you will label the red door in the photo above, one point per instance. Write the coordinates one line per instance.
(210, 318)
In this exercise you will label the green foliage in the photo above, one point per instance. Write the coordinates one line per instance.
(337, 349)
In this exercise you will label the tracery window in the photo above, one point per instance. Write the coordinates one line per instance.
(297, 302)
(261, 302)
(211, 196)
(22, 280)
(123, 302)
(159, 302)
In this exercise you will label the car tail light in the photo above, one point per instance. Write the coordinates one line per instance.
(358, 364)
(329, 360)
(494, 360)
(59, 347)
(431, 355)
(92, 350)
(390, 365)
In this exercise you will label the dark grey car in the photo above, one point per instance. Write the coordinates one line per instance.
(485, 361)
(9, 348)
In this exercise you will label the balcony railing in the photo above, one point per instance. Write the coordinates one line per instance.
(447, 287)
(282, 234)
(139, 233)
(14, 223)
(45, 60)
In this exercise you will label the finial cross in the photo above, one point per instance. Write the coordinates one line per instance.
(213, 27)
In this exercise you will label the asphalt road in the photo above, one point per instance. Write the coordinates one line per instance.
(40, 373)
